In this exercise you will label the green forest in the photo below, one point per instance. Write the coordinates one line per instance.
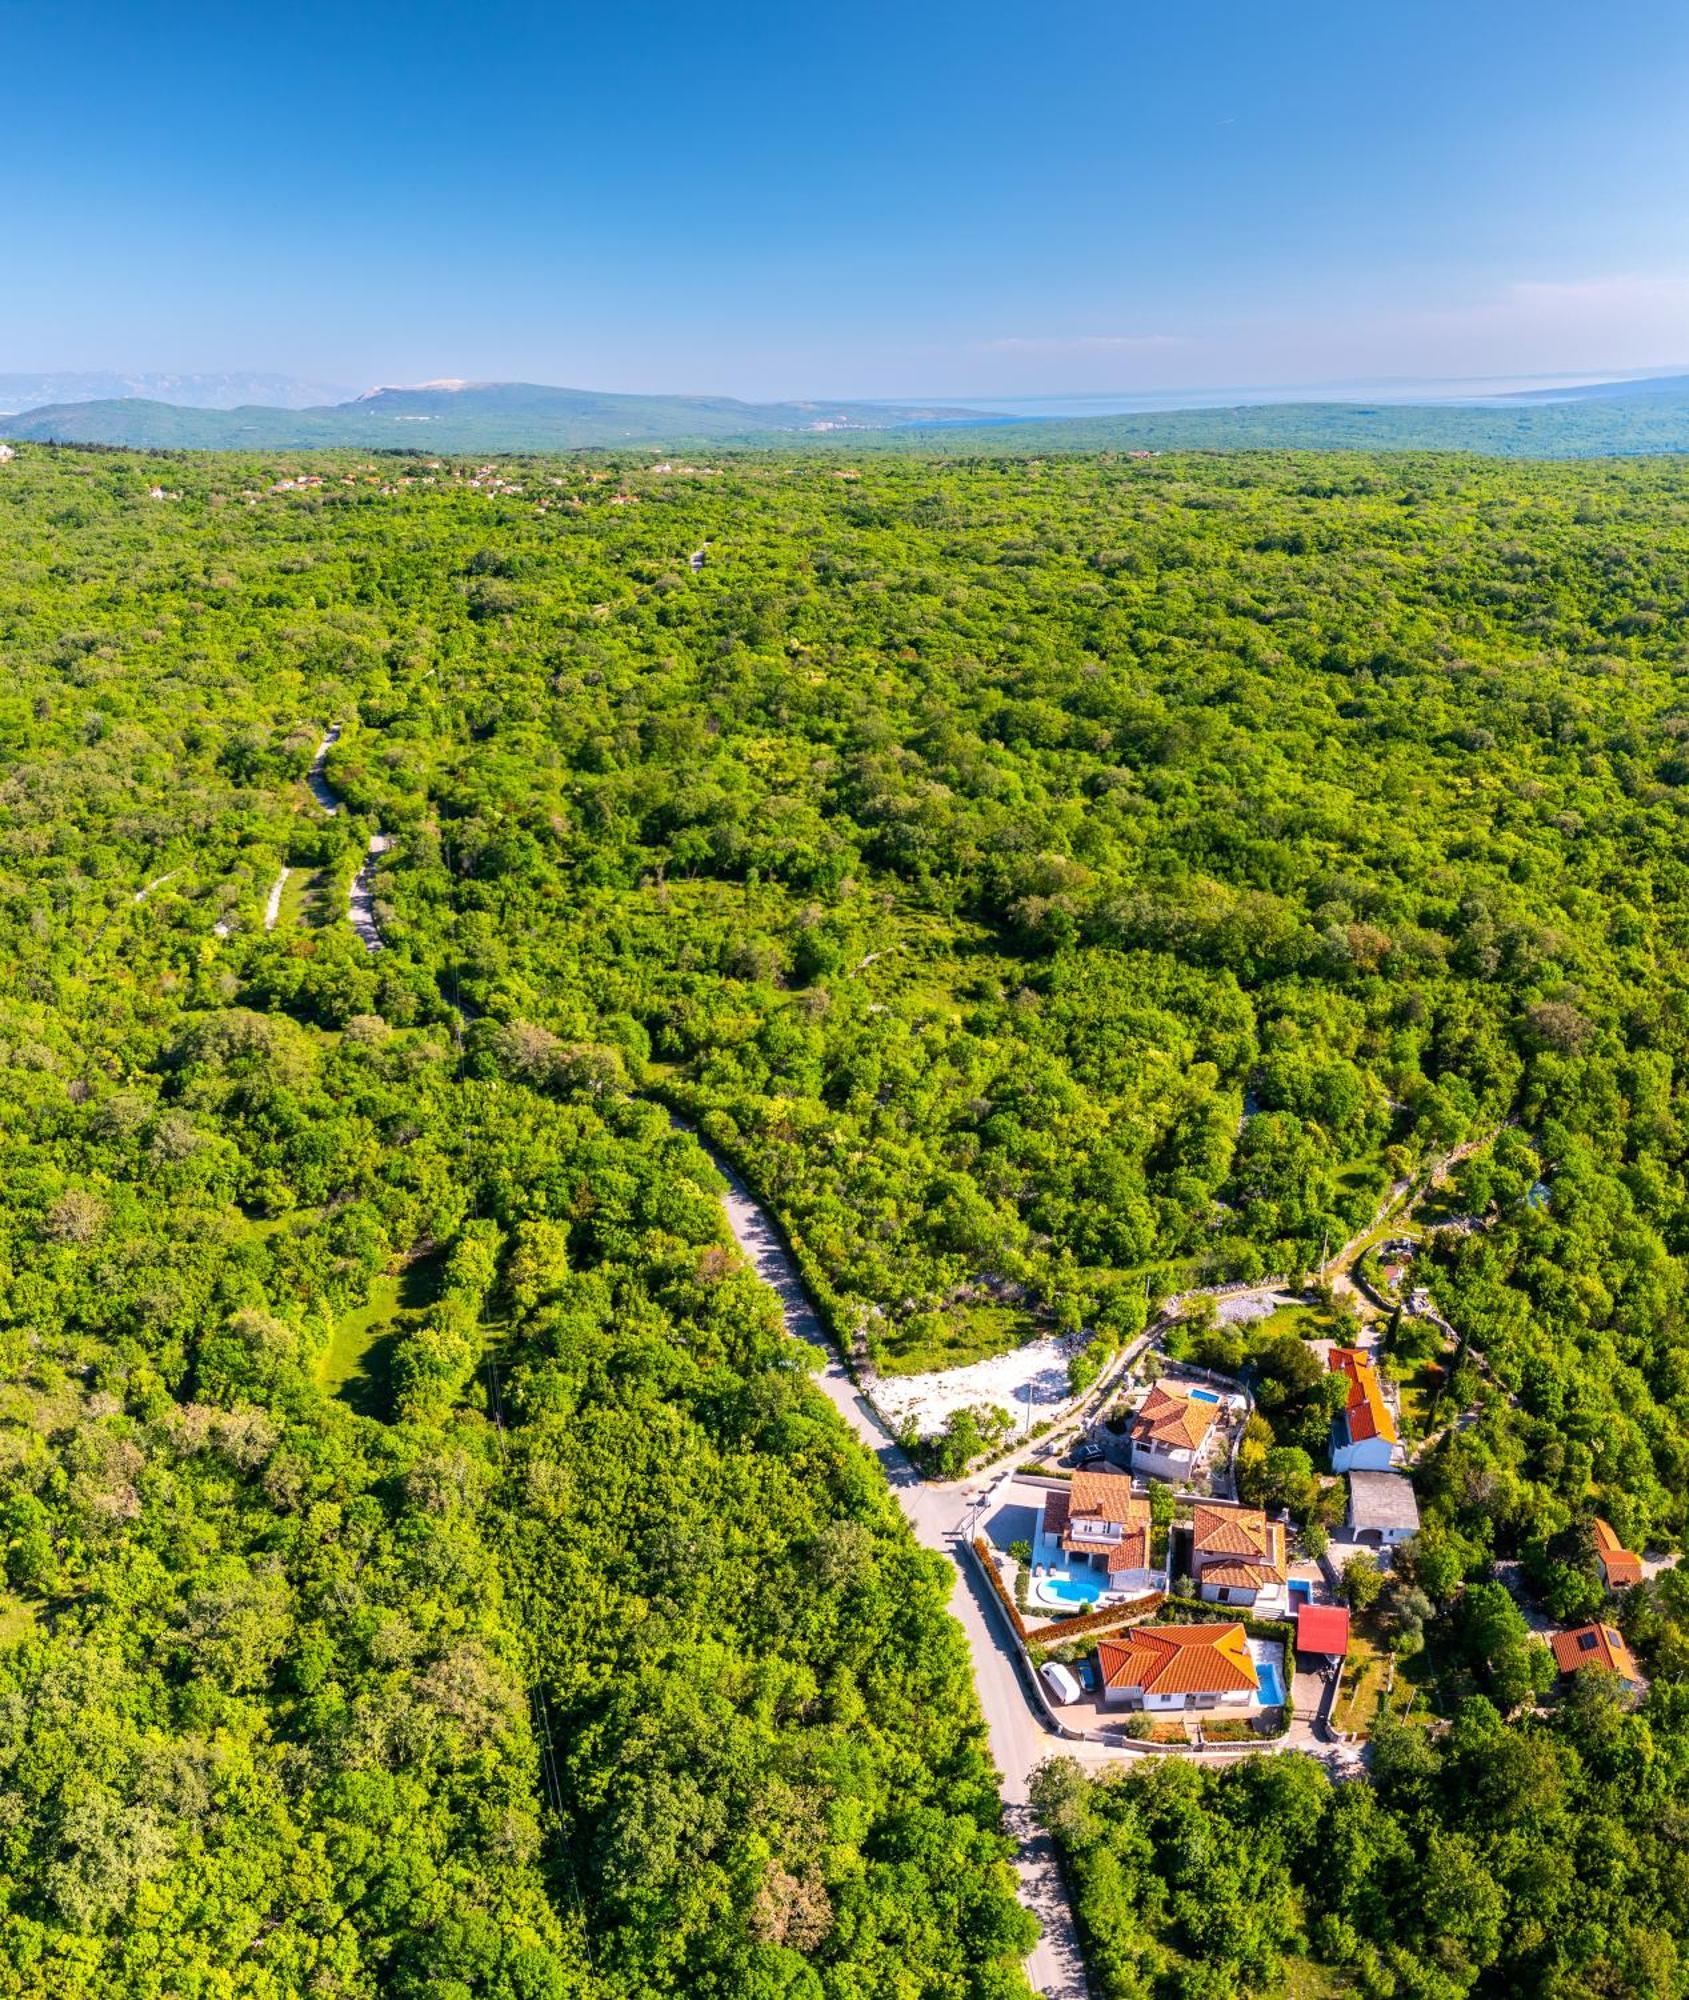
(1054, 883)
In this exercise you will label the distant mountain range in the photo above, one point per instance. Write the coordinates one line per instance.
(1585, 420)
(464, 416)
(194, 392)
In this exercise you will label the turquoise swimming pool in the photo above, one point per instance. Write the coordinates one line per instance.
(1204, 1396)
(1073, 1591)
(1271, 1683)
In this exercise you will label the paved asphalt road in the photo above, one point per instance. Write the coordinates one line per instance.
(1019, 1739)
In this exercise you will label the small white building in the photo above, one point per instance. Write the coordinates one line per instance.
(1382, 1509)
(1164, 1667)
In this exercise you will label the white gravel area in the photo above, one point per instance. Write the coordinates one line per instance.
(1029, 1384)
(1245, 1306)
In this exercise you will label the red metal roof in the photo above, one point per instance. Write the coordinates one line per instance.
(1322, 1628)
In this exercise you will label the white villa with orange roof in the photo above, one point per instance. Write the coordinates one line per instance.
(1162, 1667)
(1102, 1523)
(1237, 1556)
(1170, 1429)
(1363, 1435)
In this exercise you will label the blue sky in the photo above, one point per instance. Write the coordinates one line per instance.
(775, 199)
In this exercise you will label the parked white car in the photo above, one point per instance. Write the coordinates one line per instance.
(1059, 1682)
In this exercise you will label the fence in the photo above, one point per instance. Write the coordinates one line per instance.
(1058, 1630)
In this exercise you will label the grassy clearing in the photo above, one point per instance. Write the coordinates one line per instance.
(355, 1332)
(1304, 1980)
(954, 1339)
(357, 1364)
(301, 899)
(1305, 1322)
(17, 1621)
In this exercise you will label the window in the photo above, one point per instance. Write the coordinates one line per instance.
(1586, 1642)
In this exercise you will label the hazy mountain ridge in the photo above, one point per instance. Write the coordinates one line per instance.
(477, 416)
(1596, 420)
(224, 389)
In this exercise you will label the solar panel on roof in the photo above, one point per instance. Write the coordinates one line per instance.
(1586, 1642)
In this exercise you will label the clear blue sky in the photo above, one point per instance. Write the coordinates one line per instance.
(863, 199)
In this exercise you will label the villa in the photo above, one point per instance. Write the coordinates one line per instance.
(1178, 1667)
(1600, 1646)
(1363, 1435)
(1237, 1556)
(1170, 1429)
(1620, 1569)
(1099, 1531)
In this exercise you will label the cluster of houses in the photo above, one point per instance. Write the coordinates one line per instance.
(1095, 1546)
(1601, 1645)
(1103, 1526)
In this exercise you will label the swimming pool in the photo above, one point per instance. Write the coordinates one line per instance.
(1301, 1591)
(1071, 1592)
(1272, 1684)
(1204, 1396)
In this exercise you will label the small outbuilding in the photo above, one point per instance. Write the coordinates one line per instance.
(1324, 1629)
(1621, 1569)
(1382, 1509)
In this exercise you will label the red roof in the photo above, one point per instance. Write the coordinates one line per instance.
(1322, 1628)
(1594, 1646)
(1368, 1414)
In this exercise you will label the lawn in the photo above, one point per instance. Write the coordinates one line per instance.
(1305, 1322)
(1367, 1696)
(356, 1366)
(1418, 1394)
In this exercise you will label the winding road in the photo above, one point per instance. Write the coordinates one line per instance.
(360, 898)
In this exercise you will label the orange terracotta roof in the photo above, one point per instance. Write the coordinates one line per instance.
(1594, 1646)
(1101, 1511)
(1228, 1531)
(1131, 1551)
(1233, 1574)
(1178, 1659)
(1618, 1565)
(1367, 1412)
(1169, 1417)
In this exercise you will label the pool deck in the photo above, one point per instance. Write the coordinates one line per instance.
(1269, 1655)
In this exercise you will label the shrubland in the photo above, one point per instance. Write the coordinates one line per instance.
(1053, 884)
